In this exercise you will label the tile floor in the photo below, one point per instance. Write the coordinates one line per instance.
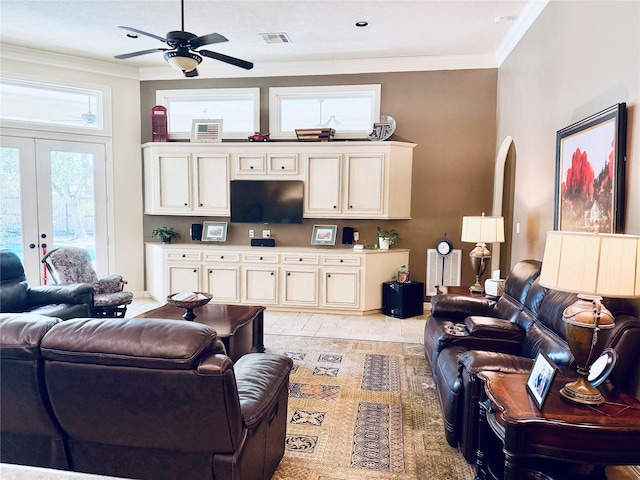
(376, 327)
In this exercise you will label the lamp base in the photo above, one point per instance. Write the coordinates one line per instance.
(582, 392)
(476, 288)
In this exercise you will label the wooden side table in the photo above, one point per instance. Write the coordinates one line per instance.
(562, 432)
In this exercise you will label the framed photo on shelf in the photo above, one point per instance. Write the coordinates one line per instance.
(203, 130)
(541, 378)
(590, 173)
(214, 231)
(324, 235)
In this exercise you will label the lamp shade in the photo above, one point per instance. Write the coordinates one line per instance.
(182, 59)
(605, 265)
(483, 229)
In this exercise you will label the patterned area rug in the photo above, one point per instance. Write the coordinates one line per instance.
(363, 410)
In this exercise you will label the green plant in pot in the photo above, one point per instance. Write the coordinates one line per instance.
(164, 234)
(386, 238)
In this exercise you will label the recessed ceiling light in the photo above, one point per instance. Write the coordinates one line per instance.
(362, 24)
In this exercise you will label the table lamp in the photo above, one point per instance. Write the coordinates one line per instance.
(481, 230)
(591, 265)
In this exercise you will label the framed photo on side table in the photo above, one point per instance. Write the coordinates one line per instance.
(540, 378)
(214, 231)
(203, 130)
(590, 173)
(324, 235)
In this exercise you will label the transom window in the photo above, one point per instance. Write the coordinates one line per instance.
(349, 109)
(239, 108)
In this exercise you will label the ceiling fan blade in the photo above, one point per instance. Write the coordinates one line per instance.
(227, 59)
(135, 30)
(192, 73)
(141, 52)
(207, 40)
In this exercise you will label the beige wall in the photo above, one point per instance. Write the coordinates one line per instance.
(126, 246)
(578, 58)
(449, 114)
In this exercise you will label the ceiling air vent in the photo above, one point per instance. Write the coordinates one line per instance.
(275, 38)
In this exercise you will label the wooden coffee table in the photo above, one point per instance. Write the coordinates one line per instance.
(240, 327)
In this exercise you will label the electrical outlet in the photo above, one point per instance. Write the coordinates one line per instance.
(266, 233)
(252, 233)
(356, 236)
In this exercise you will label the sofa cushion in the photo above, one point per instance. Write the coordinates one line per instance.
(489, 327)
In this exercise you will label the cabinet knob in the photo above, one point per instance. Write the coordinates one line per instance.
(195, 270)
(251, 167)
(260, 258)
(288, 274)
(183, 255)
(335, 206)
(186, 204)
(282, 167)
(221, 257)
(328, 275)
(300, 259)
(341, 260)
(210, 272)
(272, 273)
(201, 204)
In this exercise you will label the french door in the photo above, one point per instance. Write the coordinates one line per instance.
(53, 194)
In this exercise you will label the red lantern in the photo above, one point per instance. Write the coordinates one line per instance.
(159, 124)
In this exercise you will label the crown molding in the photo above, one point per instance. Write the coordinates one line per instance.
(525, 19)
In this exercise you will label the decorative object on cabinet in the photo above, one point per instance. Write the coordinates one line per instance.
(403, 274)
(189, 301)
(590, 173)
(315, 134)
(481, 230)
(386, 238)
(164, 234)
(159, 132)
(203, 130)
(540, 378)
(593, 266)
(214, 231)
(324, 235)
(383, 129)
(259, 137)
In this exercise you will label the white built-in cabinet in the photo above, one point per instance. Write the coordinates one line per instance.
(358, 179)
(300, 278)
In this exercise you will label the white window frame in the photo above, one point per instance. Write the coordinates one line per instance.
(165, 97)
(278, 94)
(103, 112)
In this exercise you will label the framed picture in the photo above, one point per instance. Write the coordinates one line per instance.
(540, 378)
(324, 235)
(590, 173)
(214, 231)
(203, 130)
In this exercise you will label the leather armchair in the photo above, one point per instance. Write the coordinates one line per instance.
(62, 301)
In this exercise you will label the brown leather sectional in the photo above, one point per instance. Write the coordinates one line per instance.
(138, 398)
(466, 335)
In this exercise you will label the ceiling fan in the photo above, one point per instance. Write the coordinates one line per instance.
(182, 53)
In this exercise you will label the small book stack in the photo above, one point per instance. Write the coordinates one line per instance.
(315, 134)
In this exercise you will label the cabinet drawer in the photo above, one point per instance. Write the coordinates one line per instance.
(347, 261)
(260, 257)
(292, 259)
(251, 163)
(187, 255)
(283, 163)
(222, 257)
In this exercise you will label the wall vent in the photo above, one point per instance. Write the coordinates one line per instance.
(275, 38)
(441, 272)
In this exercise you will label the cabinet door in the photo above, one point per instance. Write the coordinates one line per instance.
(300, 287)
(365, 184)
(222, 283)
(341, 288)
(183, 278)
(260, 285)
(174, 181)
(211, 181)
(322, 195)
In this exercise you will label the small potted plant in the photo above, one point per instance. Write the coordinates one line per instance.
(164, 234)
(386, 238)
(403, 274)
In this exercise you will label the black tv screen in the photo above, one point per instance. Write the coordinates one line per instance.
(266, 201)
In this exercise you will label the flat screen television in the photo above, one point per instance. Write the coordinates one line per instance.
(266, 201)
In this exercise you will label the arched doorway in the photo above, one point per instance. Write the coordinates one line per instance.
(503, 200)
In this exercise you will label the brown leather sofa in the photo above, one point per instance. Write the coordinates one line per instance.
(466, 335)
(142, 398)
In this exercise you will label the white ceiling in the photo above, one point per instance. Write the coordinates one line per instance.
(402, 34)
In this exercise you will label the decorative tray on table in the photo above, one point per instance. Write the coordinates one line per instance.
(189, 301)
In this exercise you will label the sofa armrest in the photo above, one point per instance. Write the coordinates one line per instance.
(72, 293)
(259, 377)
(490, 327)
(476, 361)
(460, 306)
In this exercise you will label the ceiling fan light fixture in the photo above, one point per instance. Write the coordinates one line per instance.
(182, 60)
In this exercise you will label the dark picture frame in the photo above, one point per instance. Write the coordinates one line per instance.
(541, 378)
(590, 173)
